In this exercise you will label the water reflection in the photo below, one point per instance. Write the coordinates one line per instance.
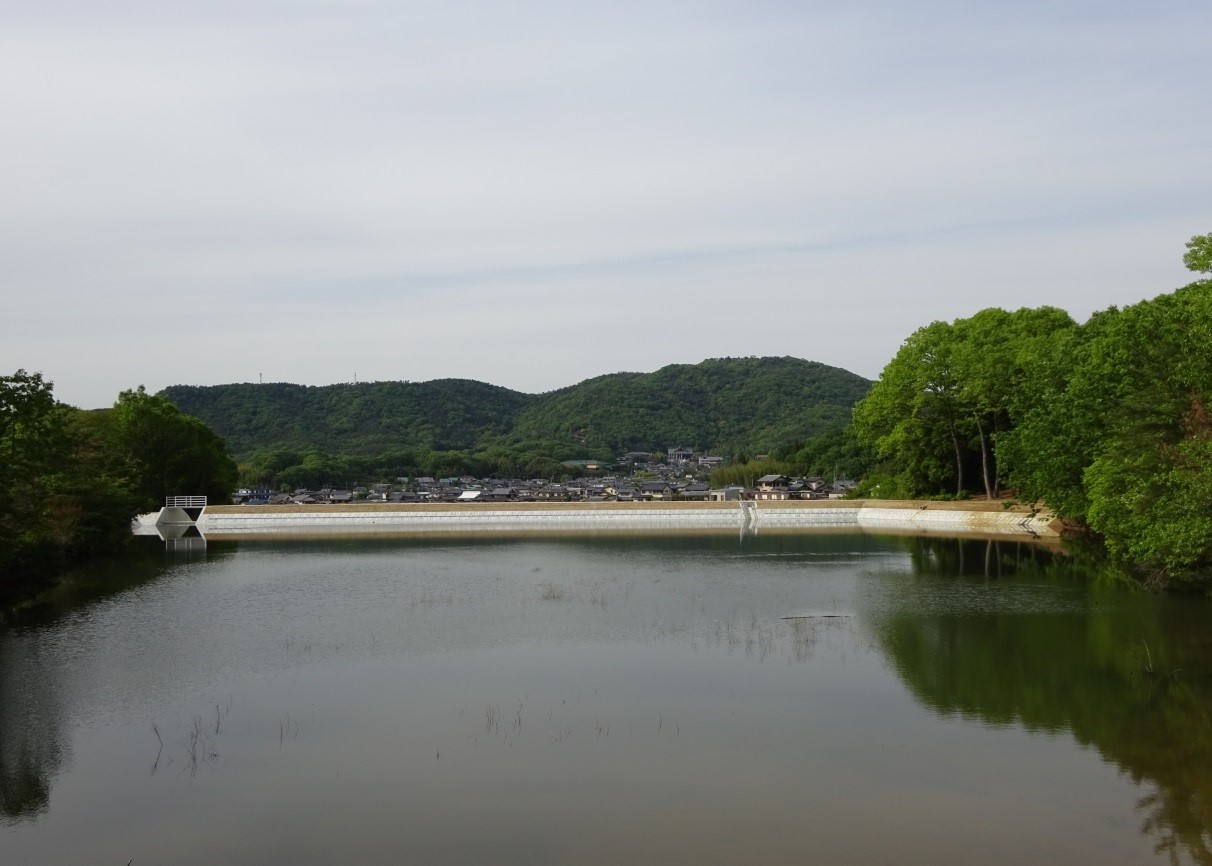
(641, 680)
(182, 538)
(32, 742)
(146, 561)
(1132, 680)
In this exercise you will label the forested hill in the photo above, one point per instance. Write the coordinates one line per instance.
(721, 404)
(724, 404)
(366, 418)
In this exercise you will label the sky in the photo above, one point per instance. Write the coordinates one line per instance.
(534, 193)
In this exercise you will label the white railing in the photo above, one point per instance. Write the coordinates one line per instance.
(184, 501)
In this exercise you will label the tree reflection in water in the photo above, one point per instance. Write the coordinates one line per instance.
(33, 742)
(31, 736)
(999, 632)
(1133, 680)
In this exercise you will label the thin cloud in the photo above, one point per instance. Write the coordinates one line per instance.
(407, 188)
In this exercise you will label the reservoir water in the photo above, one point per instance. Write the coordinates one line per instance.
(826, 698)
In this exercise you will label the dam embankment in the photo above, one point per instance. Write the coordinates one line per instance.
(944, 518)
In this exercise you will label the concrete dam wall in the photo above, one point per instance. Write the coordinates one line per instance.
(235, 521)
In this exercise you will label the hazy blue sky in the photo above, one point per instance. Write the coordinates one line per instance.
(532, 193)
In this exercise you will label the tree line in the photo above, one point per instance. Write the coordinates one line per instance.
(290, 468)
(71, 480)
(1108, 422)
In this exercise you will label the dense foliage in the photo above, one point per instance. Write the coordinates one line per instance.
(833, 455)
(720, 405)
(70, 481)
(951, 393)
(297, 436)
(1109, 422)
(367, 418)
(1129, 429)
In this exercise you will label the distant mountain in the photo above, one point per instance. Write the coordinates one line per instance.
(721, 404)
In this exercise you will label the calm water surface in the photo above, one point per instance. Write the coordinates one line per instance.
(700, 699)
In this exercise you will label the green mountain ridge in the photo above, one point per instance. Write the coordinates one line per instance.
(442, 414)
(719, 404)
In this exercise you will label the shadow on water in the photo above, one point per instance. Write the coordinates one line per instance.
(32, 738)
(1131, 678)
(145, 561)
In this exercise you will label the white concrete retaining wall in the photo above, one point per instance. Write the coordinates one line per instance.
(471, 520)
(924, 520)
(261, 520)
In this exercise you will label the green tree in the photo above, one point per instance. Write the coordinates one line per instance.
(1061, 415)
(836, 453)
(171, 452)
(71, 481)
(953, 392)
(1198, 257)
(982, 347)
(27, 420)
(92, 489)
(33, 444)
(994, 357)
(1150, 480)
(914, 413)
(63, 492)
(1116, 430)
